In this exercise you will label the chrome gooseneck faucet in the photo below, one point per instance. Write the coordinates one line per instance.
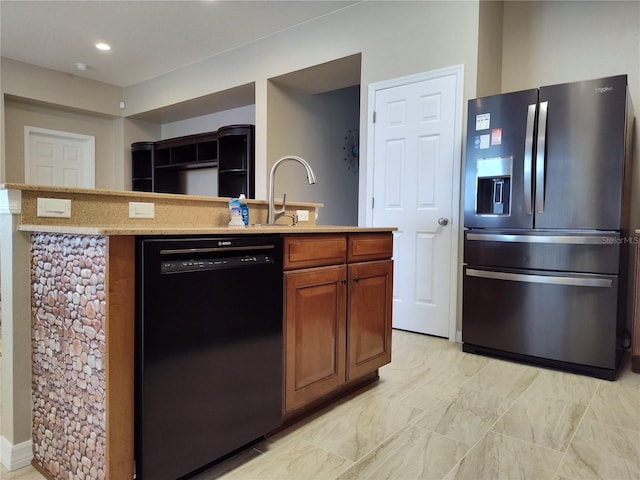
(274, 214)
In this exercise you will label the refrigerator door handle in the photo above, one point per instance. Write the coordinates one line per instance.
(565, 239)
(528, 159)
(540, 156)
(552, 280)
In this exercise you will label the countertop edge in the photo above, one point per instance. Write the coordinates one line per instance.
(112, 230)
(131, 193)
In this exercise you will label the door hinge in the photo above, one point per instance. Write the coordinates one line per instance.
(373, 202)
(374, 116)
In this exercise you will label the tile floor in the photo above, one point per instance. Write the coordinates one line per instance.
(439, 413)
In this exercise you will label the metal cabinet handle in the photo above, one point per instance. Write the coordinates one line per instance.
(540, 156)
(550, 279)
(528, 159)
(345, 281)
(443, 221)
(564, 239)
(356, 279)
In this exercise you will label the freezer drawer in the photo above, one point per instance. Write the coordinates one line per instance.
(559, 251)
(553, 315)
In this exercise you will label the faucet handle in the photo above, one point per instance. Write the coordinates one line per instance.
(284, 201)
(294, 218)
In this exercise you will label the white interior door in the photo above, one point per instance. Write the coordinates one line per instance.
(59, 159)
(416, 169)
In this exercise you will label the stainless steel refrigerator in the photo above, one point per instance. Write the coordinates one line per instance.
(547, 190)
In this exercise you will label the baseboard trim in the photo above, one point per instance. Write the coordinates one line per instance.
(17, 456)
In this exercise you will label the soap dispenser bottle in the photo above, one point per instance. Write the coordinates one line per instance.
(235, 212)
(244, 209)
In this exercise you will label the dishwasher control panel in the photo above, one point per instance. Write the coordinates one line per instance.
(181, 266)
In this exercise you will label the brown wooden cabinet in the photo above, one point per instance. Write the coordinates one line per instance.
(315, 323)
(369, 319)
(337, 312)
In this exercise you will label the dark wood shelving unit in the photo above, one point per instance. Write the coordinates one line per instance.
(236, 161)
(156, 166)
(142, 166)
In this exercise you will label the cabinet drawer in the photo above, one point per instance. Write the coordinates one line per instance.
(301, 251)
(370, 246)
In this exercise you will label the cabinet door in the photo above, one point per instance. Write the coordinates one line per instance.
(369, 322)
(315, 329)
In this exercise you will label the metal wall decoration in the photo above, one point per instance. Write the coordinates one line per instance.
(351, 150)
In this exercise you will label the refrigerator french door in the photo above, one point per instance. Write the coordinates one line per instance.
(549, 158)
(546, 219)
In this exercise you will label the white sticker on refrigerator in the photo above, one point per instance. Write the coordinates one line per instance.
(484, 141)
(483, 121)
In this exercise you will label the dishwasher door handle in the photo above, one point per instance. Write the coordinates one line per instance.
(217, 249)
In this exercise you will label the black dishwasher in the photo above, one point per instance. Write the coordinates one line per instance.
(209, 349)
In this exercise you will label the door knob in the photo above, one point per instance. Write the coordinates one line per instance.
(443, 221)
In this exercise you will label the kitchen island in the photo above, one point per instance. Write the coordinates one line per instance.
(82, 309)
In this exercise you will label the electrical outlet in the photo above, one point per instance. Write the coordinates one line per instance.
(303, 215)
(141, 210)
(54, 207)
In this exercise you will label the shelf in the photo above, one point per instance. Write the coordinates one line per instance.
(156, 166)
(236, 161)
(188, 166)
(142, 166)
(185, 151)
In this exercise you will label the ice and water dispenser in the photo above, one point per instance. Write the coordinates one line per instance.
(493, 185)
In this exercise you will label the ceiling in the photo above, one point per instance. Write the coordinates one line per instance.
(148, 37)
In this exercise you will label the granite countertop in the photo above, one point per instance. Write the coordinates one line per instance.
(191, 230)
(107, 212)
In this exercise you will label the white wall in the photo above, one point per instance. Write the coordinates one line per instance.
(62, 89)
(490, 48)
(209, 123)
(555, 41)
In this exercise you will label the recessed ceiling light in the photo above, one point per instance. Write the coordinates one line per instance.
(81, 66)
(103, 46)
